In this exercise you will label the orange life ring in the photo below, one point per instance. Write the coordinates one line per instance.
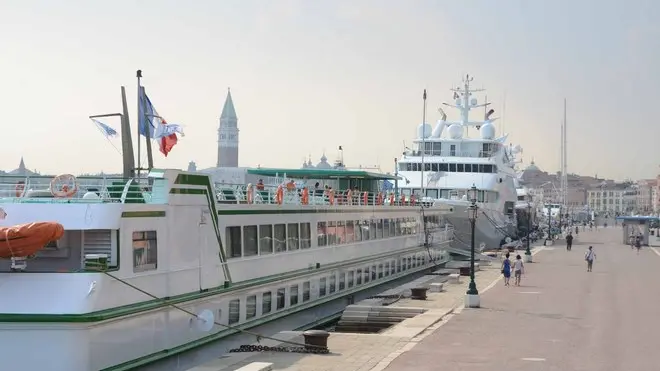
(349, 197)
(305, 196)
(412, 200)
(331, 196)
(20, 187)
(279, 195)
(365, 198)
(391, 198)
(379, 200)
(250, 193)
(65, 191)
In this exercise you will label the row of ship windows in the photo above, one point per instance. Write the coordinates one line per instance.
(251, 240)
(335, 282)
(452, 168)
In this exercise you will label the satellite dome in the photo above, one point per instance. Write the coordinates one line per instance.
(487, 131)
(424, 131)
(455, 131)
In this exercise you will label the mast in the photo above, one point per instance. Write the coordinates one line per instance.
(423, 142)
(126, 140)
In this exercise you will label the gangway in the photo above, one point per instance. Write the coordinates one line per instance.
(634, 225)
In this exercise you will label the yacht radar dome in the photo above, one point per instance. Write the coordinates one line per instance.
(424, 131)
(487, 131)
(473, 102)
(455, 131)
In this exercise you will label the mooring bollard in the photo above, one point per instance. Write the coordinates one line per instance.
(315, 339)
(418, 293)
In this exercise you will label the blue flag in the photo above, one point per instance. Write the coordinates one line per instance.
(106, 130)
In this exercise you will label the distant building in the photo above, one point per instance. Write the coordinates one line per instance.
(228, 135)
(22, 170)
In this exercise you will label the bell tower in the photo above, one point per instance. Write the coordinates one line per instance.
(228, 135)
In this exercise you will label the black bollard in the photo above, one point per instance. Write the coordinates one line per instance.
(316, 339)
(418, 293)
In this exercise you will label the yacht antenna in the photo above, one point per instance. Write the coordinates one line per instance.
(423, 142)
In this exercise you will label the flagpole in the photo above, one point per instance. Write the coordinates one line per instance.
(423, 142)
(140, 111)
(147, 121)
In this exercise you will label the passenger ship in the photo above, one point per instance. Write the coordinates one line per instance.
(152, 268)
(444, 169)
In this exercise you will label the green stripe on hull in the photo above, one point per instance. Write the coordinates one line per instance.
(143, 214)
(150, 305)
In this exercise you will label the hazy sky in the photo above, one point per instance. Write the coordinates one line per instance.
(313, 75)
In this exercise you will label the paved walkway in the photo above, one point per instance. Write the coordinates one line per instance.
(561, 318)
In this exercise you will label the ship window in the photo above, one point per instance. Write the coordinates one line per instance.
(145, 251)
(250, 243)
(266, 302)
(357, 229)
(340, 230)
(444, 167)
(452, 150)
(293, 295)
(322, 283)
(434, 167)
(452, 168)
(234, 311)
(433, 193)
(380, 270)
(332, 283)
(305, 236)
(366, 275)
(350, 234)
(321, 234)
(281, 296)
(373, 272)
(306, 291)
(488, 168)
(379, 228)
(266, 239)
(480, 196)
(373, 230)
(342, 281)
(351, 279)
(280, 237)
(468, 168)
(251, 307)
(437, 149)
(427, 167)
(386, 228)
(233, 235)
(358, 276)
(460, 168)
(392, 227)
(393, 266)
(398, 227)
(293, 242)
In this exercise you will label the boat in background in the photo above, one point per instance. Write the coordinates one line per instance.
(442, 170)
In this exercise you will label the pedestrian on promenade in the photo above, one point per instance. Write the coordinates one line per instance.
(518, 269)
(590, 256)
(638, 243)
(506, 269)
(569, 242)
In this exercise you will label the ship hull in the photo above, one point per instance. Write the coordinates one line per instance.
(489, 230)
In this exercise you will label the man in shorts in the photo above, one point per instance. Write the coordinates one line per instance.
(590, 256)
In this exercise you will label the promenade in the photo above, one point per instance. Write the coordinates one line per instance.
(561, 318)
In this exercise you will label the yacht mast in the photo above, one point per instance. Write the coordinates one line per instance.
(423, 143)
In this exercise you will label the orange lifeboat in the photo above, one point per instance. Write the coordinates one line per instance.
(26, 239)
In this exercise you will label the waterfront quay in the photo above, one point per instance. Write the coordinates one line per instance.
(560, 318)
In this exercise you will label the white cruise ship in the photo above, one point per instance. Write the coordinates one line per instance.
(445, 168)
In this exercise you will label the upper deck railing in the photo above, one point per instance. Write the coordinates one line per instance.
(449, 153)
(41, 189)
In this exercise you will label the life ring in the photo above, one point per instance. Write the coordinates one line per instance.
(20, 187)
(279, 195)
(365, 198)
(391, 198)
(65, 191)
(305, 196)
(379, 200)
(250, 193)
(412, 200)
(331, 196)
(349, 197)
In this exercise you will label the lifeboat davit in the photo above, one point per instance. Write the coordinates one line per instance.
(26, 239)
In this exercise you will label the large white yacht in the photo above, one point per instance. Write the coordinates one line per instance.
(445, 168)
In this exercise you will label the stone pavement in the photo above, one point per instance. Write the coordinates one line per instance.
(561, 318)
(362, 352)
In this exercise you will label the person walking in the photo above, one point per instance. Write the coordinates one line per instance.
(569, 241)
(518, 269)
(638, 243)
(590, 256)
(506, 269)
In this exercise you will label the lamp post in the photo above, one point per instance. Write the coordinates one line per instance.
(528, 252)
(472, 295)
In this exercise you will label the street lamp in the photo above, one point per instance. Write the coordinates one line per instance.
(528, 252)
(472, 294)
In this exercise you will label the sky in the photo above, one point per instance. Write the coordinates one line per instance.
(309, 76)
